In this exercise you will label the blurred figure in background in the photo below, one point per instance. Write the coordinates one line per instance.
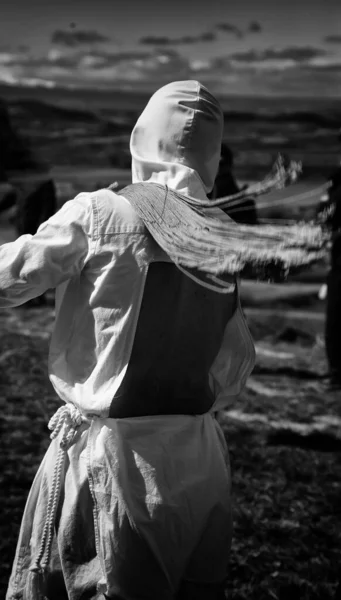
(8, 196)
(27, 211)
(330, 208)
(225, 185)
(36, 207)
(26, 186)
(333, 312)
(27, 193)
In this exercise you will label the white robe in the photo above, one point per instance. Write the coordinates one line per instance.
(144, 502)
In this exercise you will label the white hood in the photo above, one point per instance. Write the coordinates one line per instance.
(177, 139)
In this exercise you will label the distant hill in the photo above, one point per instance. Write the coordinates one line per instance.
(42, 110)
(30, 113)
(326, 119)
(135, 100)
(92, 128)
(84, 99)
(22, 103)
(62, 134)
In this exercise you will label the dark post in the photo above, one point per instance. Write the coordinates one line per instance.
(333, 310)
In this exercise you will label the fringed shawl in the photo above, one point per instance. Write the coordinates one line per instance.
(195, 241)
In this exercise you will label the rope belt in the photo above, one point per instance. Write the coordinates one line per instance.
(65, 422)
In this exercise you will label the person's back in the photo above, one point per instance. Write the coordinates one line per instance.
(183, 326)
(143, 355)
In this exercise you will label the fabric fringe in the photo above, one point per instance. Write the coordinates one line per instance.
(282, 173)
(194, 240)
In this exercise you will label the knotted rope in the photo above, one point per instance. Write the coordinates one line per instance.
(66, 419)
(65, 422)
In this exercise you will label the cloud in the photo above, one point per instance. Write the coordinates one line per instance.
(21, 49)
(208, 36)
(106, 59)
(68, 64)
(218, 65)
(31, 62)
(230, 28)
(332, 39)
(152, 40)
(308, 80)
(296, 54)
(254, 27)
(330, 67)
(271, 71)
(317, 76)
(153, 68)
(95, 67)
(75, 38)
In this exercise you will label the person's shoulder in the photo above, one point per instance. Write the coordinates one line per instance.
(115, 213)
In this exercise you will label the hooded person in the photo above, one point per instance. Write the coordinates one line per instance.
(132, 499)
(226, 185)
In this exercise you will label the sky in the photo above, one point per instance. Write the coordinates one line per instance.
(242, 47)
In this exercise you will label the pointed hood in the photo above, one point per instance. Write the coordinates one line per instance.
(177, 139)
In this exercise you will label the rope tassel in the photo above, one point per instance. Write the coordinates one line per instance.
(65, 422)
(35, 585)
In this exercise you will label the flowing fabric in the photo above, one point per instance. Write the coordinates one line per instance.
(194, 240)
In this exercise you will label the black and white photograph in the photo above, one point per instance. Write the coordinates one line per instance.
(170, 300)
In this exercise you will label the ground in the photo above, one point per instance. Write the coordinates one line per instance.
(283, 434)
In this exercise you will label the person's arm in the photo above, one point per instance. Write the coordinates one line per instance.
(58, 251)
